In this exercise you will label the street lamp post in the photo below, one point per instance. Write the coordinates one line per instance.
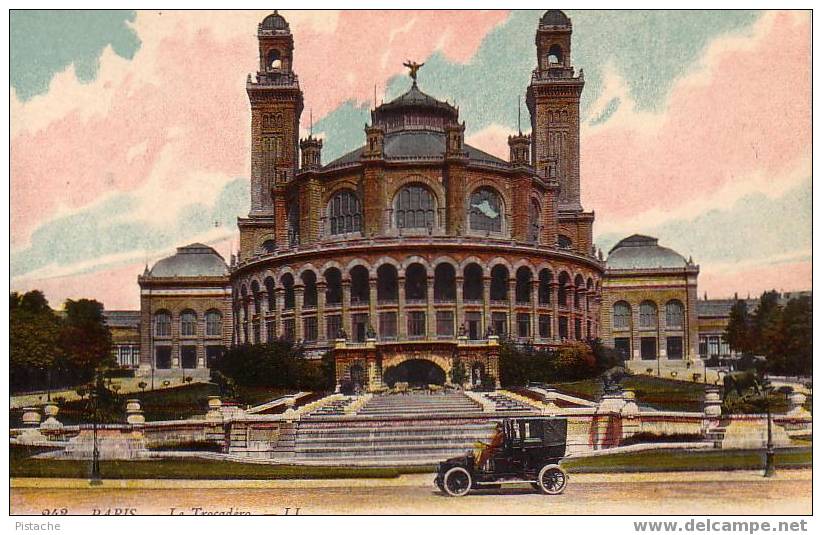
(95, 452)
(770, 467)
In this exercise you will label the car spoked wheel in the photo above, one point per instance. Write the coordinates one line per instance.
(457, 481)
(552, 479)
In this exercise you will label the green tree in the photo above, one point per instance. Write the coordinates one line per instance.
(738, 333)
(794, 354)
(765, 324)
(34, 332)
(86, 339)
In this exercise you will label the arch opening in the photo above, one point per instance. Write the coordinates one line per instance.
(415, 372)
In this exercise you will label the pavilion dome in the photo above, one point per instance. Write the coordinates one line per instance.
(554, 17)
(643, 252)
(195, 260)
(274, 22)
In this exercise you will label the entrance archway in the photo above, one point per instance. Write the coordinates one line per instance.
(415, 372)
(358, 377)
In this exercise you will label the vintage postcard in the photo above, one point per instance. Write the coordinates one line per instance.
(468, 262)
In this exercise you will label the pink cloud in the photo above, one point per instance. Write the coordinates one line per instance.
(755, 280)
(748, 114)
(187, 91)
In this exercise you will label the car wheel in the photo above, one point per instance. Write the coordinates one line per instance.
(457, 481)
(552, 479)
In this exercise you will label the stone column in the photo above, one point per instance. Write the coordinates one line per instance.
(460, 314)
(299, 291)
(346, 304)
(661, 345)
(430, 316)
(534, 313)
(554, 309)
(512, 301)
(372, 302)
(486, 304)
(279, 297)
(321, 288)
(402, 326)
(263, 296)
(570, 292)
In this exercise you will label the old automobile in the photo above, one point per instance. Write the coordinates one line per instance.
(523, 450)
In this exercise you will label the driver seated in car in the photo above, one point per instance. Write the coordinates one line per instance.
(487, 449)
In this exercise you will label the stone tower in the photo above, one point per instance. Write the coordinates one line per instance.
(276, 105)
(553, 101)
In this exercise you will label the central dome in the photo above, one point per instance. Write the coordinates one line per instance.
(643, 252)
(195, 260)
(414, 110)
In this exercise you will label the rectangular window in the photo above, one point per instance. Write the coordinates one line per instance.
(388, 325)
(288, 329)
(333, 325)
(648, 348)
(270, 331)
(544, 326)
(578, 329)
(713, 346)
(416, 324)
(674, 347)
(523, 325)
(310, 329)
(445, 323)
(724, 348)
(188, 357)
(563, 327)
(162, 357)
(499, 321)
(703, 347)
(623, 347)
(135, 356)
(473, 323)
(359, 324)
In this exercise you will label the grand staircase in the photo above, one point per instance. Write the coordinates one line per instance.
(399, 429)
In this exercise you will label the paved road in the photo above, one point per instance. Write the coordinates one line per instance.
(670, 493)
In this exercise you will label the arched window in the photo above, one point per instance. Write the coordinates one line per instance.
(534, 215)
(674, 312)
(255, 293)
(485, 210)
(472, 283)
(564, 242)
(294, 224)
(414, 207)
(287, 282)
(416, 283)
(579, 285)
(273, 60)
(445, 283)
(309, 289)
(344, 213)
(555, 55)
(499, 283)
(272, 295)
(545, 278)
(647, 315)
(188, 323)
(162, 323)
(244, 301)
(360, 291)
(562, 291)
(214, 323)
(524, 277)
(269, 246)
(387, 284)
(333, 286)
(622, 315)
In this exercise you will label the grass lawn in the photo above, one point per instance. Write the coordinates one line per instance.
(684, 460)
(663, 394)
(21, 465)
